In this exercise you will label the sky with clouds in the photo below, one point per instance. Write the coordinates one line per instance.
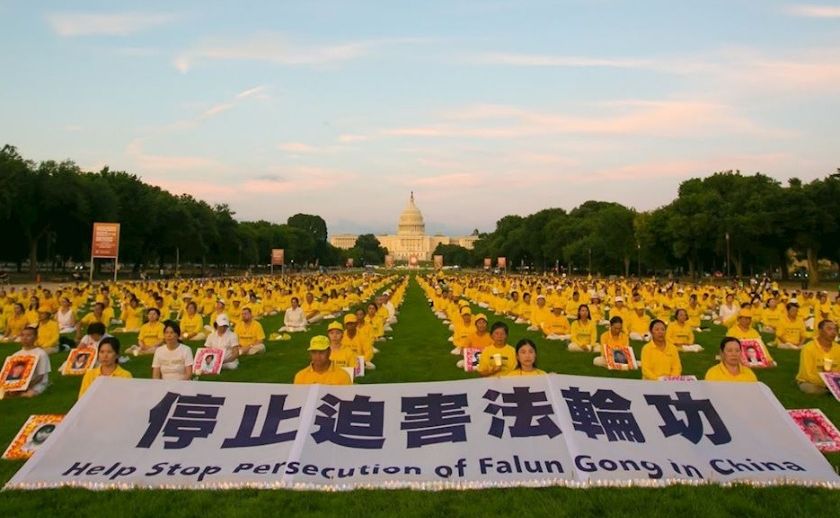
(483, 108)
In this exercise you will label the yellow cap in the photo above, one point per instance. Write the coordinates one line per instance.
(745, 313)
(335, 325)
(463, 303)
(466, 311)
(349, 318)
(319, 343)
(481, 316)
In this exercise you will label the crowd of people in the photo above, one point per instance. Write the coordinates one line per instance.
(219, 314)
(664, 316)
(225, 314)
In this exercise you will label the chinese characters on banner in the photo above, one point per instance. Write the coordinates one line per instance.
(534, 431)
(278, 256)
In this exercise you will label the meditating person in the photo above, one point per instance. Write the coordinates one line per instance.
(526, 359)
(294, 319)
(790, 330)
(174, 360)
(819, 355)
(681, 334)
(498, 358)
(150, 336)
(251, 334)
(730, 367)
(192, 324)
(109, 352)
(48, 332)
(612, 338)
(660, 358)
(223, 338)
(584, 331)
(639, 325)
(321, 370)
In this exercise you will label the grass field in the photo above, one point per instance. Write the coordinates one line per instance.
(418, 351)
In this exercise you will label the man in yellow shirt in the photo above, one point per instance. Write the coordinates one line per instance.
(790, 330)
(819, 355)
(251, 334)
(358, 343)
(341, 356)
(556, 325)
(321, 370)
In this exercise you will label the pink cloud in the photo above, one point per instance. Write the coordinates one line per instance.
(106, 24)
(148, 162)
(657, 118)
(814, 11)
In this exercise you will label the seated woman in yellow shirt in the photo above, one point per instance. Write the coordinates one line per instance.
(497, 359)
(556, 325)
(526, 359)
(660, 358)
(584, 332)
(109, 352)
(15, 324)
(680, 333)
(639, 324)
(150, 336)
(192, 325)
(730, 367)
(614, 336)
(48, 332)
(130, 314)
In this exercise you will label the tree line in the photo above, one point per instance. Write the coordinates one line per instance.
(727, 222)
(47, 210)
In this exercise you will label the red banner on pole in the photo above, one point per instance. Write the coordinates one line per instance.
(106, 241)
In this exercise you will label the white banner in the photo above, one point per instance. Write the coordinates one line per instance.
(527, 431)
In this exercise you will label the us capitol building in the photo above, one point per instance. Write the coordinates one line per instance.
(411, 238)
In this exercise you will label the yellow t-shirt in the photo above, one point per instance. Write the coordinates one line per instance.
(150, 334)
(477, 341)
(486, 362)
(556, 324)
(679, 334)
(343, 357)
(250, 334)
(192, 325)
(334, 375)
(48, 334)
(584, 334)
(520, 372)
(720, 373)
(95, 372)
(812, 362)
(791, 331)
(658, 362)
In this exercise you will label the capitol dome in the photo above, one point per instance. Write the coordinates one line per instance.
(411, 220)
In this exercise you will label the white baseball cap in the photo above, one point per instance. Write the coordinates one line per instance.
(222, 320)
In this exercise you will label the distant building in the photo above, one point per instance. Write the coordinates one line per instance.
(411, 238)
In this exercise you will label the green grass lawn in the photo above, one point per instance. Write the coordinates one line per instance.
(418, 351)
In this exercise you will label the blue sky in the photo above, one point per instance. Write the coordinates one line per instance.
(483, 108)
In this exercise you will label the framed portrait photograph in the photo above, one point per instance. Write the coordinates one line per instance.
(471, 358)
(17, 372)
(208, 361)
(816, 426)
(79, 360)
(34, 433)
(754, 355)
(832, 383)
(359, 368)
(620, 358)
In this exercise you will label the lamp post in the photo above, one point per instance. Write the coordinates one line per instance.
(727, 255)
(639, 260)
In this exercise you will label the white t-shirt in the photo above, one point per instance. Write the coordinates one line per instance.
(66, 320)
(294, 317)
(172, 363)
(42, 367)
(227, 341)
